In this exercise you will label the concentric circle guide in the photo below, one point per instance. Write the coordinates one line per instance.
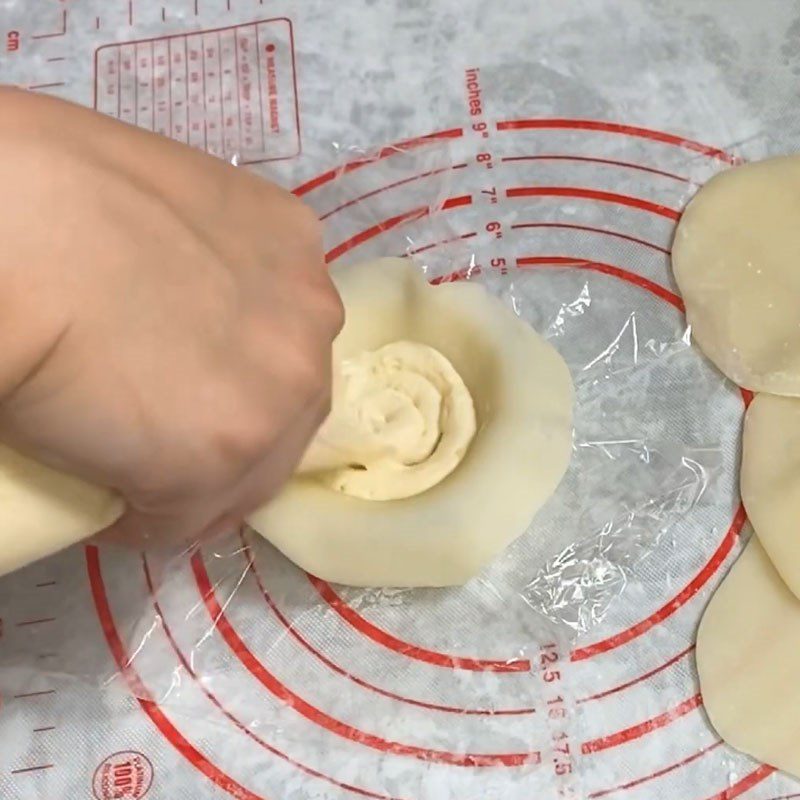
(655, 288)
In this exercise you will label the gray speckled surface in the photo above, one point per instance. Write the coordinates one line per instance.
(386, 701)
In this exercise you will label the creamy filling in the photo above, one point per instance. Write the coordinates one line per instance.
(412, 407)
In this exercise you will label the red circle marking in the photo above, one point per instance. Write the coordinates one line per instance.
(384, 152)
(642, 728)
(793, 796)
(140, 692)
(683, 597)
(239, 725)
(125, 775)
(524, 191)
(240, 793)
(505, 159)
(424, 248)
(195, 757)
(606, 269)
(748, 782)
(527, 225)
(590, 160)
(382, 637)
(269, 681)
(597, 195)
(591, 229)
(369, 233)
(622, 686)
(617, 128)
(388, 186)
(319, 717)
(306, 645)
(521, 124)
(393, 222)
(657, 774)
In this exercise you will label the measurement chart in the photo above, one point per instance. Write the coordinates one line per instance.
(229, 92)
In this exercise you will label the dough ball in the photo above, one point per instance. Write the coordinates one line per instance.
(522, 395)
(770, 480)
(43, 510)
(748, 660)
(736, 258)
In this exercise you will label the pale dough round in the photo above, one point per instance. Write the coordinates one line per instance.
(407, 398)
(770, 480)
(43, 510)
(736, 259)
(522, 394)
(748, 660)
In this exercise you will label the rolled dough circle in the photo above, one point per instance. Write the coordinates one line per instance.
(736, 259)
(748, 661)
(522, 394)
(770, 480)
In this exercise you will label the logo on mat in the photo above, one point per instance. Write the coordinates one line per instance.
(126, 775)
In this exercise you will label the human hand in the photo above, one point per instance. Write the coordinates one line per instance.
(166, 319)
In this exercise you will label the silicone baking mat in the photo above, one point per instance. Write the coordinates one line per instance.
(573, 133)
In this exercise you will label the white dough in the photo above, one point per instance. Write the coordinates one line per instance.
(409, 401)
(770, 481)
(522, 394)
(43, 510)
(748, 659)
(736, 258)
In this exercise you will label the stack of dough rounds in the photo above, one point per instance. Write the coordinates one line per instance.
(736, 258)
(472, 416)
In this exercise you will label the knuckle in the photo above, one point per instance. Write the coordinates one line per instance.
(150, 483)
(245, 437)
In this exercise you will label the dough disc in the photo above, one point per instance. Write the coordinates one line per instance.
(735, 258)
(748, 660)
(770, 480)
(522, 394)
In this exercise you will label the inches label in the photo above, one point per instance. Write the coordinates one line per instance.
(230, 91)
